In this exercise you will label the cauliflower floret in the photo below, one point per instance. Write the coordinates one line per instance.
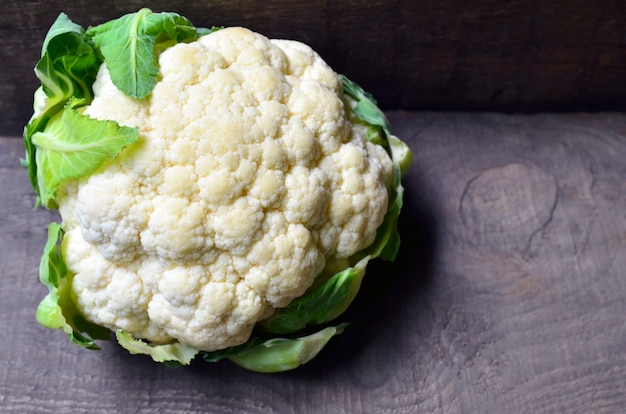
(247, 179)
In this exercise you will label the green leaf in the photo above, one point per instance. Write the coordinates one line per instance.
(74, 146)
(203, 31)
(365, 109)
(57, 310)
(387, 242)
(69, 64)
(401, 155)
(61, 26)
(176, 353)
(225, 353)
(321, 304)
(67, 68)
(277, 354)
(130, 45)
(330, 299)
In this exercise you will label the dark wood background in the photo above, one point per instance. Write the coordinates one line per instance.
(509, 295)
(515, 55)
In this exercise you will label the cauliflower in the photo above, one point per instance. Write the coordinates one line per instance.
(246, 181)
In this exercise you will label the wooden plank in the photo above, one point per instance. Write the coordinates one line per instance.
(508, 295)
(488, 55)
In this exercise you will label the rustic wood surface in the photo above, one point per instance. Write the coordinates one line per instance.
(516, 55)
(509, 295)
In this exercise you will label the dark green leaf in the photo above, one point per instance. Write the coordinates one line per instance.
(225, 353)
(366, 107)
(203, 31)
(322, 304)
(387, 242)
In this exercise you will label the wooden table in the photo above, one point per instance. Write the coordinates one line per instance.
(509, 295)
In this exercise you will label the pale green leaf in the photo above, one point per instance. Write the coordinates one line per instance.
(73, 146)
(279, 355)
(176, 352)
(57, 310)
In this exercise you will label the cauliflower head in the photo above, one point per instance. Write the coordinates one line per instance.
(248, 177)
(212, 183)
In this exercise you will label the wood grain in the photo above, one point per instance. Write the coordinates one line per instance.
(508, 296)
(436, 55)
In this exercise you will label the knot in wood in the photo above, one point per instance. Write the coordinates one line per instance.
(515, 197)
